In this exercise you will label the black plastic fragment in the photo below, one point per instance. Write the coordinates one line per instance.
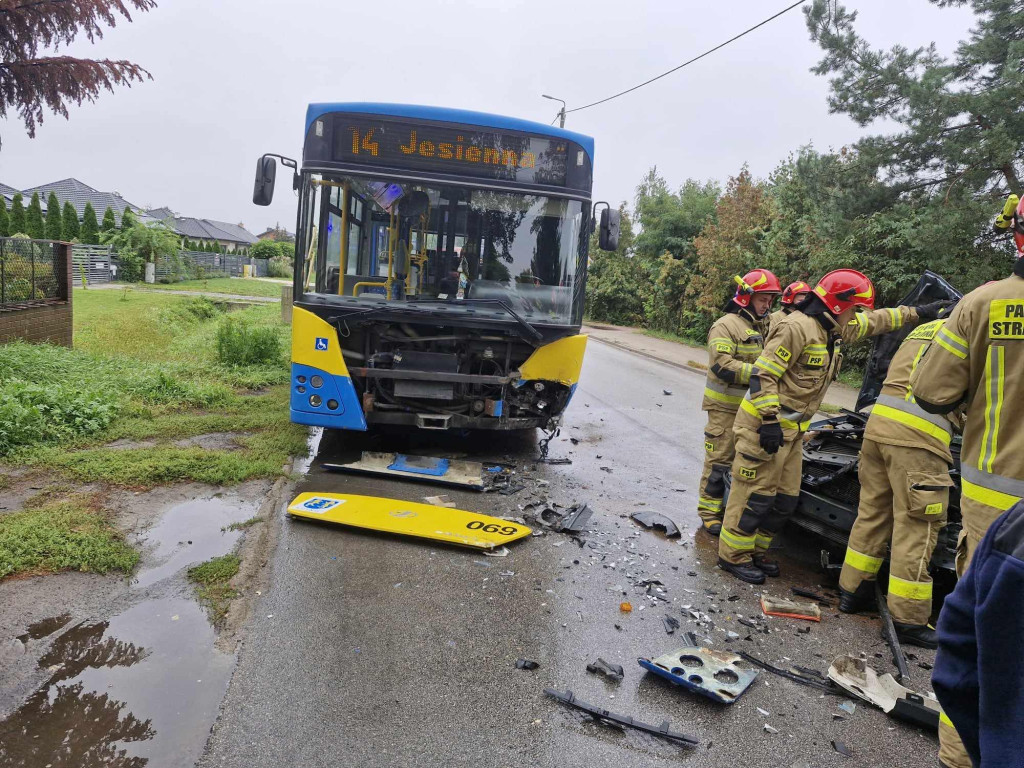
(611, 671)
(657, 520)
(913, 710)
(842, 749)
(671, 623)
(662, 730)
(571, 520)
(803, 592)
(889, 632)
(691, 639)
(825, 686)
(526, 664)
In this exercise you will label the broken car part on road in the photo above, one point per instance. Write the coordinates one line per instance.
(815, 681)
(889, 633)
(657, 520)
(613, 672)
(790, 609)
(604, 715)
(718, 675)
(855, 676)
(424, 469)
(407, 518)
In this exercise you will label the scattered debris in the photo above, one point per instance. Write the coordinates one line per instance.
(671, 623)
(666, 391)
(606, 469)
(764, 712)
(810, 593)
(625, 607)
(855, 676)
(611, 671)
(657, 520)
(822, 685)
(770, 729)
(545, 445)
(526, 664)
(842, 749)
(604, 715)
(571, 520)
(731, 636)
(406, 518)
(780, 606)
(507, 573)
(889, 632)
(430, 469)
(499, 552)
(848, 707)
(718, 675)
(440, 501)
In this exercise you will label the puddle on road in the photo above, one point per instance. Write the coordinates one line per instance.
(44, 628)
(190, 533)
(302, 465)
(141, 689)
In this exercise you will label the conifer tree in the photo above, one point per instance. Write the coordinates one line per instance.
(109, 220)
(69, 221)
(17, 225)
(90, 227)
(128, 219)
(34, 218)
(5, 219)
(54, 225)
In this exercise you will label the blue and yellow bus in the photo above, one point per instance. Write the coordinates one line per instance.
(440, 267)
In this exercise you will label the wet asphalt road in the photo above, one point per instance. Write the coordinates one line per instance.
(381, 651)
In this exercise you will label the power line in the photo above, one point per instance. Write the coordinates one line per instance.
(691, 61)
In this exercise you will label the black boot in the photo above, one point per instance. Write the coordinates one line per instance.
(915, 634)
(745, 571)
(766, 565)
(714, 528)
(863, 599)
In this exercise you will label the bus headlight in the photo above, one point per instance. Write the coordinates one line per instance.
(332, 404)
(315, 400)
(317, 382)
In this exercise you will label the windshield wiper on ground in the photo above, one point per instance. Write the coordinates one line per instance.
(533, 332)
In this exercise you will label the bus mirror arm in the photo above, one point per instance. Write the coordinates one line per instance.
(266, 176)
(608, 235)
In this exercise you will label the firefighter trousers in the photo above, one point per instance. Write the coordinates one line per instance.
(764, 493)
(719, 450)
(977, 517)
(904, 495)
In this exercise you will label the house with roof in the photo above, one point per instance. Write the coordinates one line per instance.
(277, 234)
(232, 237)
(8, 194)
(79, 193)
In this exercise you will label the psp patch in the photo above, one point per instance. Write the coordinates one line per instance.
(320, 505)
(709, 446)
(783, 354)
(726, 348)
(1006, 319)
(748, 474)
(321, 344)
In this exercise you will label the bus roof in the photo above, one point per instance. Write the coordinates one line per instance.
(444, 114)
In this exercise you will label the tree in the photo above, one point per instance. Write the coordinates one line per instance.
(5, 219)
(215, 247)
(69, 221)
(615, 278)
(264, 249)
(54, 225)
(128, 219)
(141, 244)
(17, 225)
(90, 231)
(34, 219)
(29, 84)
(109, 220)
(286, 248)
(959, 119)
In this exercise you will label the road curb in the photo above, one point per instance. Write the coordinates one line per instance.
(649, 356)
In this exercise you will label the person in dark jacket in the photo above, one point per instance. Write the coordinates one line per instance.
(979, 672)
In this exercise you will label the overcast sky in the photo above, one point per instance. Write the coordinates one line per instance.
(232, 78)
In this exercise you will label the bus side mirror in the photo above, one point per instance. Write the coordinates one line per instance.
(608, 238)
(266, 175)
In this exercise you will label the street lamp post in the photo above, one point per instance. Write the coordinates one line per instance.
(561, 112)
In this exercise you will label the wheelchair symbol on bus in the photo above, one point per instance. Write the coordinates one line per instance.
(321, 344)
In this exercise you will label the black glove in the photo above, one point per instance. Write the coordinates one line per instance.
(934, 310)
(770, 436)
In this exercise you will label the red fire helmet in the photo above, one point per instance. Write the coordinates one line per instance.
(1018, 228)
(793, 290)
(845, 288)
(755, 281)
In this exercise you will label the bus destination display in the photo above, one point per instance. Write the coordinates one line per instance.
(465, 151)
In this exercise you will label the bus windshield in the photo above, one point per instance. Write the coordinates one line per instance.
(400, 241)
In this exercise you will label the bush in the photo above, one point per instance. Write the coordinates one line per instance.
(242, 344)
(30, 413)
(279, 266)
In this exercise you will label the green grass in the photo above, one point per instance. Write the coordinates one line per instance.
(5, 482)
(62, 535)
(243, 525)
(212, 584)
(236, 286)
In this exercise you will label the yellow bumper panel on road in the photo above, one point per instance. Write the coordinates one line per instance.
(407, 518)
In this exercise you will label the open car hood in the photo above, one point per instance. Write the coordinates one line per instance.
(931, 287)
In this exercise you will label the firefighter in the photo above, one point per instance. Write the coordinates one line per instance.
(801, 357)
(734, 343)
(904, 494)
(793, 295)
(977, 359)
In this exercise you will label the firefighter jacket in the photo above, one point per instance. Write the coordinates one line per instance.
(777, 316)
(977, 358)
(896, 419)
(734, 343)
(801, 358)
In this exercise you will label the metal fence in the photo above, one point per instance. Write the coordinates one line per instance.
(93, 262)
(199, 265)
(32, 272)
